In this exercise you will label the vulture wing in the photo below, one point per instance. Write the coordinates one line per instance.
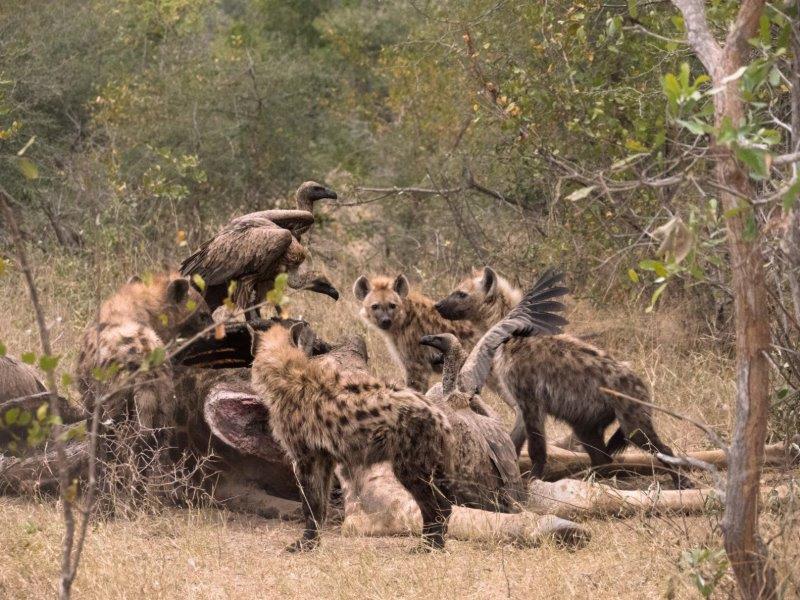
(535, 314)
(242, 248)
(296, 221)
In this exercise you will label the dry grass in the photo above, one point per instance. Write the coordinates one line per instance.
(213, 554)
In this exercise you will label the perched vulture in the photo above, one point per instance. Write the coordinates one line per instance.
(255, 248)
(486, 451)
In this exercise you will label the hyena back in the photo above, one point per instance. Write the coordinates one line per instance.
(560, 376)
(322, 419)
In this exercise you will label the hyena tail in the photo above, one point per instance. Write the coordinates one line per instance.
(617, 442)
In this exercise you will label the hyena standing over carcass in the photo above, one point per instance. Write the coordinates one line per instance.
(404, 316)
(560, 376)
(322, 418)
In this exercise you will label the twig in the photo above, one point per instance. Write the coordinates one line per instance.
(68, 566)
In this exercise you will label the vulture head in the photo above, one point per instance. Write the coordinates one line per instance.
(311, 191)
(313, 282)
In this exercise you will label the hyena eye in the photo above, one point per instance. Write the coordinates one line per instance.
(461, 295)
(375, 306)
(392, 305)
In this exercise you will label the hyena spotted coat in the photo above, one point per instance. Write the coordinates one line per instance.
(140, 317)
(403, 316)
(321, 419)
(560, 376)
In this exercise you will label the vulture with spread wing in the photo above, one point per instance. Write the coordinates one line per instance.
(486, 451)
(255, 248)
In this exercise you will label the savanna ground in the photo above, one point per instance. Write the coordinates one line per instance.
(210, 553)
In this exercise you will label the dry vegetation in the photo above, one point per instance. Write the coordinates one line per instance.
(208, 553)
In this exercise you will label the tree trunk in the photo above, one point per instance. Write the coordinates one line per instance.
(791, 240)
(743, 544)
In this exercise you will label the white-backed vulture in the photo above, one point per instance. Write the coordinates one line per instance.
(255, 248)
(486, 450)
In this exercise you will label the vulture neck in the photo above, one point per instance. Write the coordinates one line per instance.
(453, 361)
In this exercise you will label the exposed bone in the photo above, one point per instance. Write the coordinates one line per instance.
(524, 528)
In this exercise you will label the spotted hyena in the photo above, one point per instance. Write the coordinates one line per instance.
(560, 376)
(321, 419)
(141, 317)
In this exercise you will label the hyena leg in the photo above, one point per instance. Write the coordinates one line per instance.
(591, 438)
(434, 506)
(314, 475)
(644, 435)
(537, 443)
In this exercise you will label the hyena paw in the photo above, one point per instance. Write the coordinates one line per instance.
(302, 545)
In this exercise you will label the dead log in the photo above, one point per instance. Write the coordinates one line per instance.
(564, 463)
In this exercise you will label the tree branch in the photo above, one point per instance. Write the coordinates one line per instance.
(699, 33)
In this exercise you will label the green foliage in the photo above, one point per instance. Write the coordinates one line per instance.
(705, 568)
(276, 296)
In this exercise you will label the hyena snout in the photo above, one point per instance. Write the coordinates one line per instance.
(385, 323)
(451, 309)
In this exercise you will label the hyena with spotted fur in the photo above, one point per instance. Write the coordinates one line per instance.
(322, 418)
(404, 316)
(560, 376)
(140, 317)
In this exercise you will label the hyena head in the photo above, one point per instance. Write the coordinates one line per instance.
(167, 302)
(382, 301)
(481, 298)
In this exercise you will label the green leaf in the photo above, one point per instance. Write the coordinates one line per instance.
(633, 276)
(28, 358)
(199, 282)
(157, 356)
(2, 349)
(754, 159)
(696, 127)
(789, 198)
(672, 89)
(635, 145)
(24, 418)
(654, 265)
(41, 412)
(191, 305)
(633, 9)
(2, 266)
(656, 295)
(11, 416)
(48, 363)
(764, 29)
(581, 193)
(750, 231)
(28, 168)
(66, 380)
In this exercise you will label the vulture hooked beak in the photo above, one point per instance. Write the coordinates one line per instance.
(440, 342)
(324, 193)
(322, 286)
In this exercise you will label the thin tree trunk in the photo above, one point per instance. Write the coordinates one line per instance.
(744, 547)
(791, 240)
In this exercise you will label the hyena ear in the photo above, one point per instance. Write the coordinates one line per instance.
(400, 285)
(177, 291)
(489, 282)
(134, 279)
(361, 288)
(303, 337)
